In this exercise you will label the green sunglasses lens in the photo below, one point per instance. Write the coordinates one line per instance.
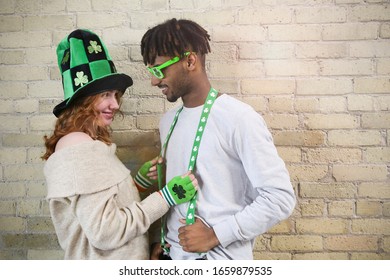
(156, 71)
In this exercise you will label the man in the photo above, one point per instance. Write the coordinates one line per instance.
(244, 186)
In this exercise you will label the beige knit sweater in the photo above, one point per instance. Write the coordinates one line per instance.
(94, 205)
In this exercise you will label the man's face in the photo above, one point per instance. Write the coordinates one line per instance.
(174, 83)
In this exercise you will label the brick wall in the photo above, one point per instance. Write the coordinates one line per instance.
(317, 70)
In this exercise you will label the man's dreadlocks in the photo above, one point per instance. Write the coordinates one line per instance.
(174, 38)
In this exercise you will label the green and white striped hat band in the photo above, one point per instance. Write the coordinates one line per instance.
(86, 68)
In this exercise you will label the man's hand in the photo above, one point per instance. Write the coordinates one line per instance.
(197, 237)
(156, 251)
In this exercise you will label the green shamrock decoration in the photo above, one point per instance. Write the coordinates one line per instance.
(66, 58)
(81, 79)
(179, 191)
(94, 47)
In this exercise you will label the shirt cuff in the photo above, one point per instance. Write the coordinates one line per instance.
(227, 231)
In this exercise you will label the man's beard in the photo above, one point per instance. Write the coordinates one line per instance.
(172, 98)
(183, 88)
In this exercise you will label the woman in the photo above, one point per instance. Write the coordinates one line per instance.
(94, 204)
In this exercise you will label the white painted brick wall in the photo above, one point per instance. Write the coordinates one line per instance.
(317, 70)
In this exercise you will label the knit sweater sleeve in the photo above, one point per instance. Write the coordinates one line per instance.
(109, 226)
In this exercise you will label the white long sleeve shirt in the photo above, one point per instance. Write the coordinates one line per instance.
(244, 186)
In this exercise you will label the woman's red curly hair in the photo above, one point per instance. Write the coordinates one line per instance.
(80, 117)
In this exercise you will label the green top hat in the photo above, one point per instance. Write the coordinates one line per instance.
(86, 68)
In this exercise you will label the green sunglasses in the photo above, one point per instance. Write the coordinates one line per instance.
(156, 70)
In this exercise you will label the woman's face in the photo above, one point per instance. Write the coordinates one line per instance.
(107, 105)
